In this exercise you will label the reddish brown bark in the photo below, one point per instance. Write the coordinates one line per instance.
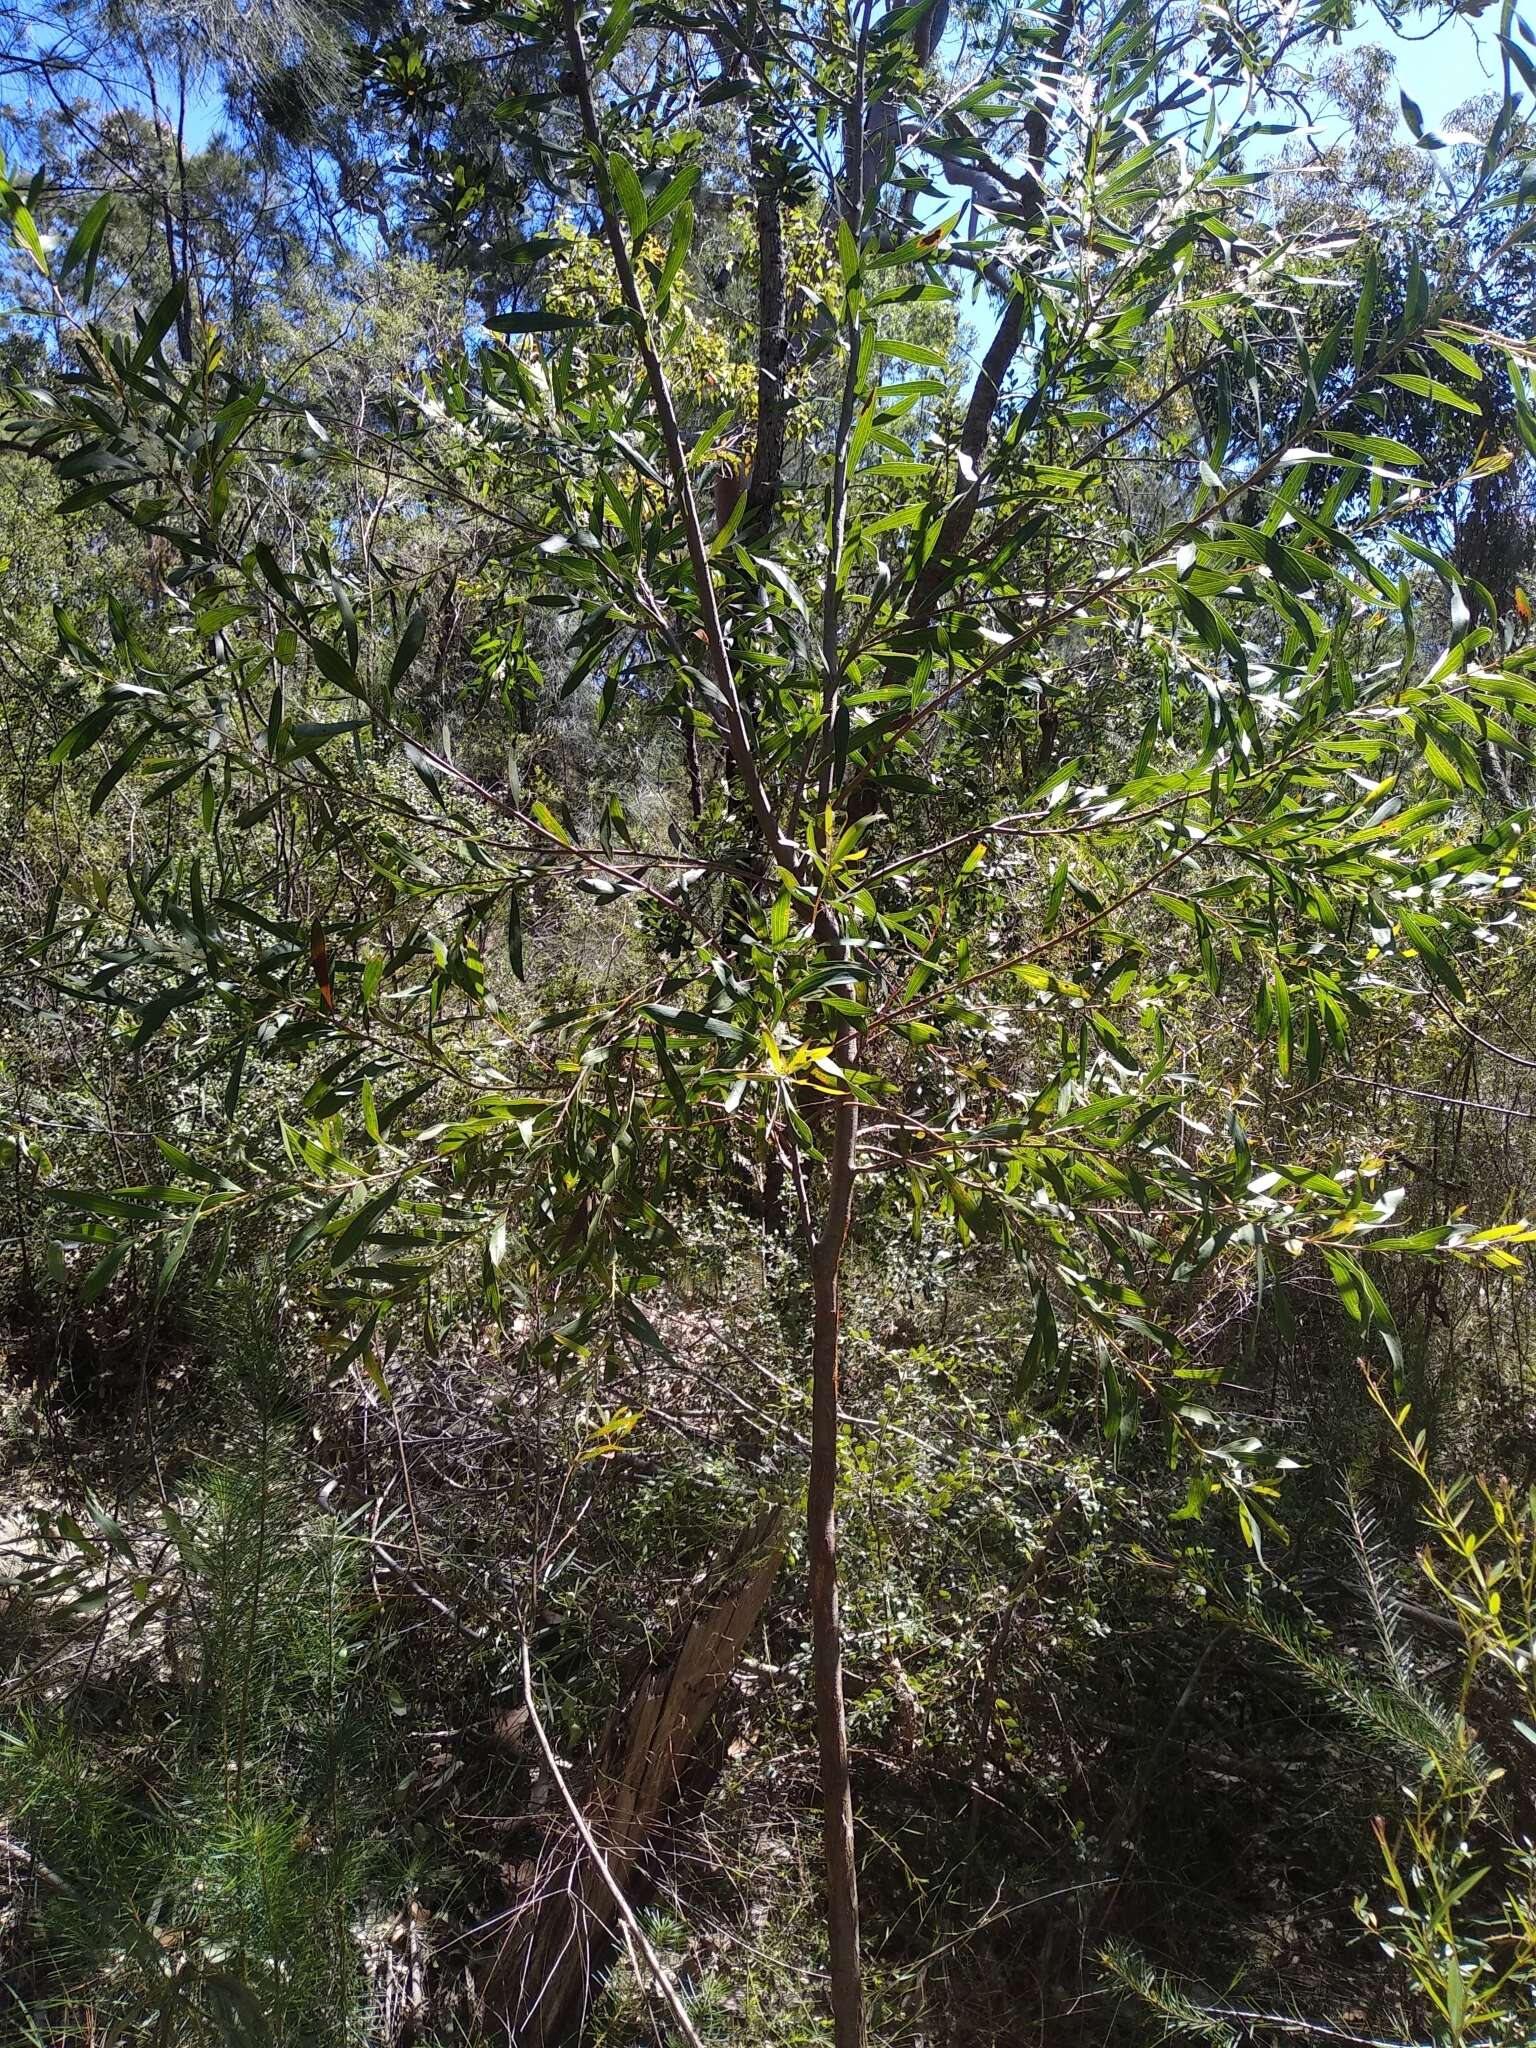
(826, 1624)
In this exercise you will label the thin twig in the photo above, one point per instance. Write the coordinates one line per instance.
(632, 1927)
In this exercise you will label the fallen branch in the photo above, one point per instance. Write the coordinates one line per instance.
(557, 1944)
(633, 1930)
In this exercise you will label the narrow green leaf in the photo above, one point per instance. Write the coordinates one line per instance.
(361, 1224)
(411, 638)
(847, 252)
(159, 324)
(677, 251)
(673, 194)
(85, 240)
(24, 228)
(1431, 387)
(630, 195)
(176, 1251)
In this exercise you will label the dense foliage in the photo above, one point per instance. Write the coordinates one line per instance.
(761, 760)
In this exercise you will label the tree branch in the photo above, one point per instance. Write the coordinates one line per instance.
(737, 734)
(987, 391)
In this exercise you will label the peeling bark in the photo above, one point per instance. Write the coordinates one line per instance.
(560, 1942)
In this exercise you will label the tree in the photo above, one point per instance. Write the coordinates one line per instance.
(1040, 728)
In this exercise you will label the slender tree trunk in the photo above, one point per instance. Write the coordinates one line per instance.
(772, 332)
(739, 737)
(842, 1878)
(826, 1625)
(987, 392)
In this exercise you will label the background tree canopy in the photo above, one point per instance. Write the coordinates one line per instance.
(765, 1071)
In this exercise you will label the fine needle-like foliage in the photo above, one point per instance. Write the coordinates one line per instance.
(213, 1901)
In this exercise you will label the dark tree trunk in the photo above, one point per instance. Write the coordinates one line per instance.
(826, 1624)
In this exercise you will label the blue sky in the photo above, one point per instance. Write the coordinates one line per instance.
(1445, 68)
